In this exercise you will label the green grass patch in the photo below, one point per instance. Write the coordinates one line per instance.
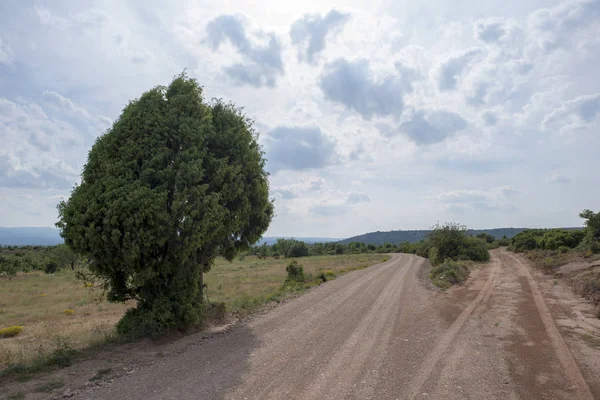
(449, 273)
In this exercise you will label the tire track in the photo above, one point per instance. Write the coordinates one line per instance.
(560, 347)
(333, 314)
(375, 327)
(433, 358)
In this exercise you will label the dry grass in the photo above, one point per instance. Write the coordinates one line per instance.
(39, 302)
(246, 284)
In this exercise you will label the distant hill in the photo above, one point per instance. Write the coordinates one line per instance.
(396, 237)
(272, 239)
(29, 237)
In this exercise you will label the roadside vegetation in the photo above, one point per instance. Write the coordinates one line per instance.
(571, 254)
(452, 251)
(35, 331)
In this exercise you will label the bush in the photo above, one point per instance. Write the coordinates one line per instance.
(11, 331)
(487, 237)
(298, 249)
(434, 256)
(546, 239)
(448, 274)
(503, 242)
(451, 242)
(563, 249)
(8, 268)
(473, 249)
(295, 272)
(50, 267)
(63, 353)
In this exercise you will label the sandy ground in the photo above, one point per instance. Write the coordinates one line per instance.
(385, 333)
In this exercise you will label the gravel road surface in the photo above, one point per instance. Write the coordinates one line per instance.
(382, 333)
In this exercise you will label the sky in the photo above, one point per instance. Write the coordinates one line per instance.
(380, 115)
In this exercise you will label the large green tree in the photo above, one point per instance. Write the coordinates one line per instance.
(173, 184)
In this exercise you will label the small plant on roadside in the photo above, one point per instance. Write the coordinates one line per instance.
(11, 331)
(563, 249)
(322, 277)
(448, 274)
(63, 353)
(69, 311)
(295, 272)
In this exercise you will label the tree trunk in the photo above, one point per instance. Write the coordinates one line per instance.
(201, 286)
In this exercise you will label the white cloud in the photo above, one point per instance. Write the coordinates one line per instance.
(573, 114)
(6, 56)
(354, 85)
(484, 201)
(310, 32)
(451, 67)
(88, 19)
(355, 197)
(298, 148)
(262, 62)
(558, 178)
(396, 102)
(44, 147)
(554, 28)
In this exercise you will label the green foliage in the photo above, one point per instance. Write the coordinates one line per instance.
(290, 248)
(592, 230)
(50, 267)
(8, 268)
(546, 239)
(414, 236)
(473, 249)
(450, 241)
(486, 236)
(453, 243)
(298, 249)
(173, 184)
(434, 256)
(503, 242)
(448, 274)
(63, 353)
(592, 223)
(66, 257)
(295, 272)
(447, 238)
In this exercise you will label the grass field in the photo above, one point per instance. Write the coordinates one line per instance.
(57, 310)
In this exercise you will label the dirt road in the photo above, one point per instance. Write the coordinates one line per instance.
(384, 333)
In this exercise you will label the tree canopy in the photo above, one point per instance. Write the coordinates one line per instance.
(173, 184)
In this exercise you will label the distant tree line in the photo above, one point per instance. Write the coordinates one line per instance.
(451, 241)
(414, 236)
(49, 259)
(561, 239)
